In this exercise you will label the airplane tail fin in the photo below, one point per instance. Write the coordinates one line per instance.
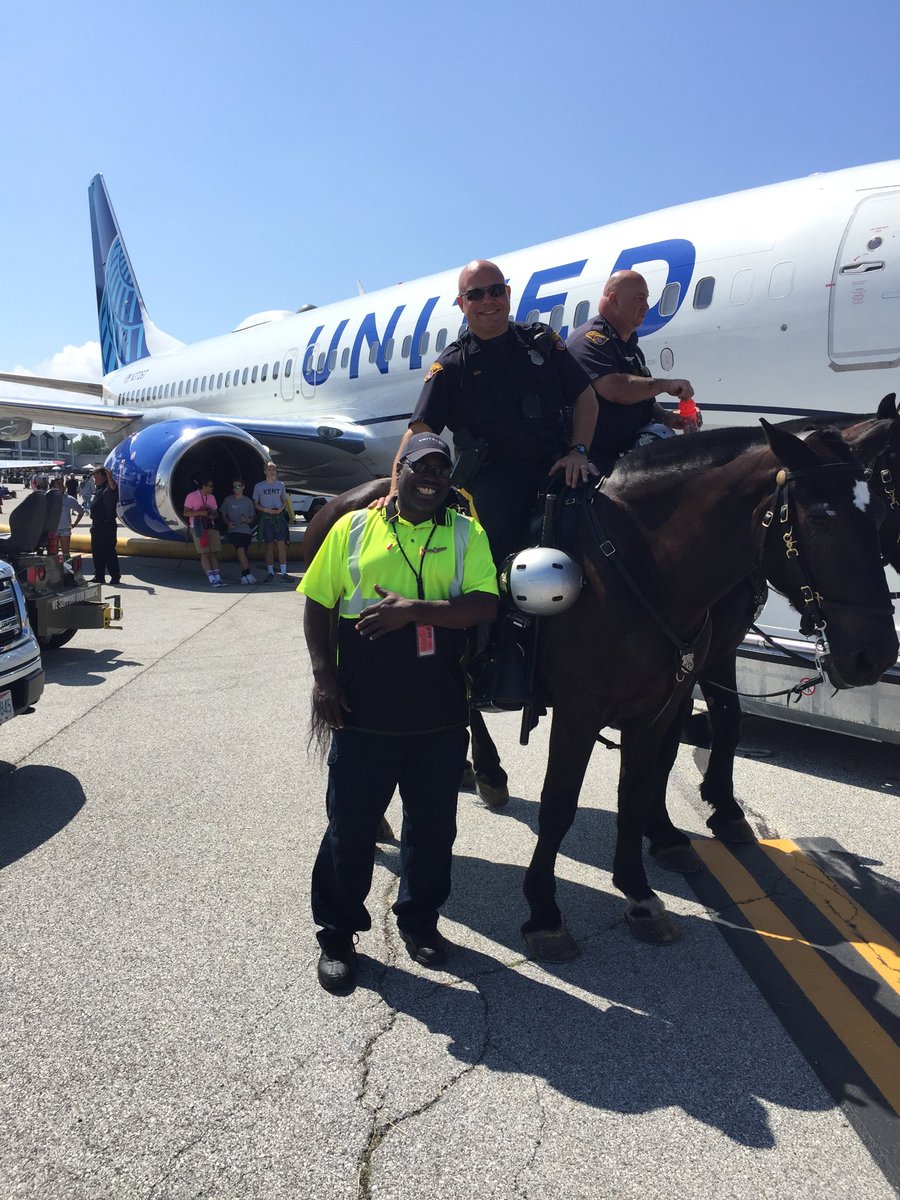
(126, 332)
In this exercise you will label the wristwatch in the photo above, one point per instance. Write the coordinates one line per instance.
(579, 449)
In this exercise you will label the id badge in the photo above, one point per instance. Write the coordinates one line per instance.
(424, 640)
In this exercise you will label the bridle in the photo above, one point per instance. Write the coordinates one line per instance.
(813, 617)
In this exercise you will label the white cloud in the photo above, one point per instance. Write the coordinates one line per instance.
(72, 362)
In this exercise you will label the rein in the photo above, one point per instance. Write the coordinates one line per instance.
(813, 615)
(686, 650)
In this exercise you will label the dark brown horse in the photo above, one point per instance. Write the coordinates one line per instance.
(718, 678)
(684, 518)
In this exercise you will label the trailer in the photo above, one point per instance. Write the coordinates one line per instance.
(58, 598)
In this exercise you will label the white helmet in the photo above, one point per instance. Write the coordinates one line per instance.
(541, 581)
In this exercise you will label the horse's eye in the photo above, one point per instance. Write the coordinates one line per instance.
(820, 512)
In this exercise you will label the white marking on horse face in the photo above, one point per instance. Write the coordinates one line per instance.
(861, 495)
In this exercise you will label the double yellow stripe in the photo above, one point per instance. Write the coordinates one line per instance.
(870, 1045)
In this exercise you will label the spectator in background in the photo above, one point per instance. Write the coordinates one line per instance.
(238, 512)
(61, 538)
(72, 486)
(87, 491)
(104, 530)
(270, 498)
(200, 512)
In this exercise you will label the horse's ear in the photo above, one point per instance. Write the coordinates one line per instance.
(887, 409)
(792, 452)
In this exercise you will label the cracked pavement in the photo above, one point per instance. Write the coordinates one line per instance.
(163, 1036)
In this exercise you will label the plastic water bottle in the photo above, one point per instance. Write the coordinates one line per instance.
(688, 412)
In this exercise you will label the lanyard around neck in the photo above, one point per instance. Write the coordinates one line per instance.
(420, 587)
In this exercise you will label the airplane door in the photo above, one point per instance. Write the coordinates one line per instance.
(864, 303)
(288, 374)
(307, 381)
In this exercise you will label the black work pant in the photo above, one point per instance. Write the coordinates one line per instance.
(103, 550)
(363, 770)
(505, 494)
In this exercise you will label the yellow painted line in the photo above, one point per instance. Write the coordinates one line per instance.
(873, 1049)
(861, 931)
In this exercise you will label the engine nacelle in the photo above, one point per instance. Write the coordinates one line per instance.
(159, 465)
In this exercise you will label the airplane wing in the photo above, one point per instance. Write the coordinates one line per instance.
(32, 464)
(99, 418)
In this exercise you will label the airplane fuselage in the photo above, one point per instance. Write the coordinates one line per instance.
(777, 301)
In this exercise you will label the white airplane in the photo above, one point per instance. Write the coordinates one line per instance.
(779, 301)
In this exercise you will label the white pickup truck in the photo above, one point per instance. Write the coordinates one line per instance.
(21, 671)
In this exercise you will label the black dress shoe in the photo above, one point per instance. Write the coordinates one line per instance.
(337, 966)
(429, 949)
(98, 579)
(114, 582)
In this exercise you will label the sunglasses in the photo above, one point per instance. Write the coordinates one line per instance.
(494, 290)
(423, 468)
(237, 487)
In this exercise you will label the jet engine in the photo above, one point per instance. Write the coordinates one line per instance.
(156, 467)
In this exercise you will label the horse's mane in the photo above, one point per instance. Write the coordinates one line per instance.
(670, 460)
(679, 456)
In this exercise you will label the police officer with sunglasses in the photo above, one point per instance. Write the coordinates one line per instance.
(518, 405)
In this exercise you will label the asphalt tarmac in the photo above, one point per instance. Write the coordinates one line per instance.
(163, 1034)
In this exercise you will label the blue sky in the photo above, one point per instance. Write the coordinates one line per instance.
(270, 155)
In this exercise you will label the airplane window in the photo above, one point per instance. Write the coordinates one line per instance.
(307, 360)
(389, 350)
(196, 384)
(153, 394)
(406, 346)
(668, 301)
(345, 357)
(320, 365)
(742, 286)
(703, 292)
(440, 341)
(253, 374)
(180, 387)
(781, 281)
(203, 384)
(245, 375)
(228, 379)
(332, 360)
(288, 367)
(373, 352)
(423, 342)
(264, 373)
(275, 370)
(556, 318)
(534, 315)
(219, 382)
(582, 313)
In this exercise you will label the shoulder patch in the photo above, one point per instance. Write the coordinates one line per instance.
(433, 370)
(558, 343)
(593, 336)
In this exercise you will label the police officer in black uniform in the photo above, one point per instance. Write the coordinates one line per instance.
(607, 348)
(507, 392)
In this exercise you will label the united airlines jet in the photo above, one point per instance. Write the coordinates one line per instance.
(780, 301)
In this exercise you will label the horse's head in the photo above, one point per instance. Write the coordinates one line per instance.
(820, 545)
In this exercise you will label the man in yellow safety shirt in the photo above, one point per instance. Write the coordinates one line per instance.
(406, 581)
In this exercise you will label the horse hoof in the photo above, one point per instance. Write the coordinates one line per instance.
(684, 860)
(551, 945)
(467, 783)
(738, 832)
(385, 833)
(494, 795)
(648, 921)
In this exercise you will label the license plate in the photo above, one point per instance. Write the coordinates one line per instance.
(6, 707)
